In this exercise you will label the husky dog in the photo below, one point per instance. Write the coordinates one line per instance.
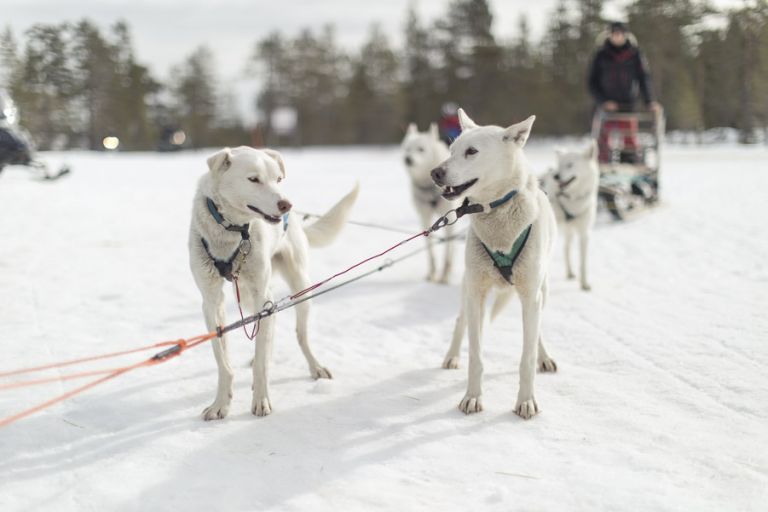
(241, 231)
(422, 152)
(508, 247)
(572, 189)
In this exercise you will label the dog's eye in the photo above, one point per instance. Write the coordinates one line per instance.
(279, 179)
(470, 151)
(254, 179)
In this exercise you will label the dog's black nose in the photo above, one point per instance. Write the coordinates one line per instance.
(408, 161)
(557, 176)
(284, 206)
(438, 175)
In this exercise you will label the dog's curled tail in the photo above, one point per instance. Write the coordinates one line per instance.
(325, 229)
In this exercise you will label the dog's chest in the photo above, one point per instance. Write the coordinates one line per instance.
(499, 229)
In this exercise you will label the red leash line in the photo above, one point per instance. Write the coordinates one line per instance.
(321, 283)
(39, 407)
(159, 358)
(298, 294)
(62, 378)
(87, 359)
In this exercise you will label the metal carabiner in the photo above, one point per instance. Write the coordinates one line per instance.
(444, 221)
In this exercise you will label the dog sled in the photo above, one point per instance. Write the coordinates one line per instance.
(629, 158)
(16, 146)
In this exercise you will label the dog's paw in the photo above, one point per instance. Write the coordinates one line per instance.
(261, 406)
(216, 411)
(321, 372)
(471, 404)
(548, 365)
(527, 409)
(431, 277)
(570, 275)
(586, 287)
(451, 362)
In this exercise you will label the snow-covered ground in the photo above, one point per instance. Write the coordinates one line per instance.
(660, 401)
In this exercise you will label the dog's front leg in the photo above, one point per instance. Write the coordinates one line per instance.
(261, 405)
(526, 406)
(583, 246)
(568, 239)
(448, 255)
(426, 222)
(474, 304)
(213, 311)
(451, 360)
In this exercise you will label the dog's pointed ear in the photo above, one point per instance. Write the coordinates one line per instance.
(518, 133)
(277, 157)
(220, 161)
(412, 128)
(591, 152)
(434, 131)
(465, 122)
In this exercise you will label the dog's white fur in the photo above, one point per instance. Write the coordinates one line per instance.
(572, 187)
(422, 152)
(499, 166)
(231, 184)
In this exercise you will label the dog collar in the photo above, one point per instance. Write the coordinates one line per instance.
(501, 201)
(241, 228)
(467, 208)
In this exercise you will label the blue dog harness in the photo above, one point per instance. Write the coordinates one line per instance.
(504, 261)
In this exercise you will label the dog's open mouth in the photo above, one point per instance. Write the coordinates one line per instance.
(451, 192)
(563, 184)
(268, 218)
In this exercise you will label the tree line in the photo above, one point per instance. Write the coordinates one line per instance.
(75, 85)
(709, 69)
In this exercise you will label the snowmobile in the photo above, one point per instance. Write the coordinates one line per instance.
(16, 147)
(629, 158)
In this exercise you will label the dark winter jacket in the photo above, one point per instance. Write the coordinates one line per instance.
(618, 74)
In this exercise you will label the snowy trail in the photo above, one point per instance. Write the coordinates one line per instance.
(660, 402)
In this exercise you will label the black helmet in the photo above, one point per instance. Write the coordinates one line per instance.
(617, 26)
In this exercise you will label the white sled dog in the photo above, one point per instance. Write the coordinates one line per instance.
(572, 190)
(422, 152)
(242, 229)
(508, 247)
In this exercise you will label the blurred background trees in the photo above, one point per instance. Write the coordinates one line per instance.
(75, 83)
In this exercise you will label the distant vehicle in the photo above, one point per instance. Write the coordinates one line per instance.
(16, 146)
(629, 158)
(171, 139)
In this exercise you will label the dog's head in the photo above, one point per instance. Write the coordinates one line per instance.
(421, 150)
(576, 169)
(485, 161)
(247, 181)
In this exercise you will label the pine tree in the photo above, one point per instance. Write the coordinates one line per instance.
(9, 58)
(372, 99)
(420, 83)
(194, 95)
(47, 84)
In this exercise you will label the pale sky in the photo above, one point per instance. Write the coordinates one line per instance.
(166, 31)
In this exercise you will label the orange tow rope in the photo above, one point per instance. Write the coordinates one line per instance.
(177, 348)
